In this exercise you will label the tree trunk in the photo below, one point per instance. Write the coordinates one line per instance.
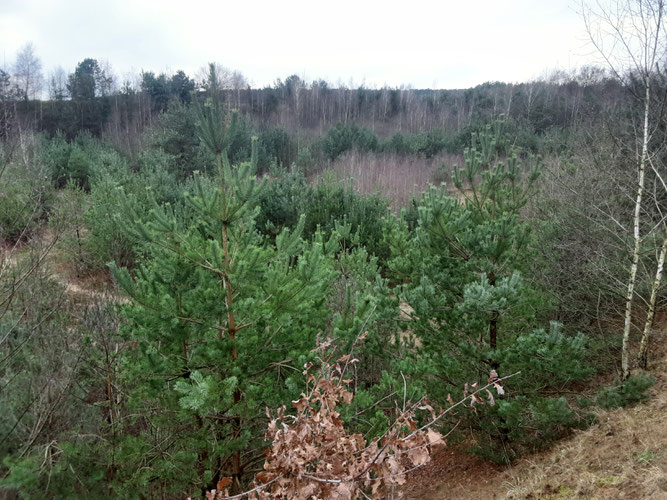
(493, 325)
(625, 354)
(231, 324)
(648, 326)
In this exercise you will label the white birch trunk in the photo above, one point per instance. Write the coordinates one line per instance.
(648, 326)
(625, 354)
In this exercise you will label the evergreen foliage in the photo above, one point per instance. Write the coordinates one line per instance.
(630, 392)
(427, 144)
(287, 195)
(220, 319)
(176, 137)
(78, 161)
(344, 137)
(26, 199)
(275, 146)
(470, 307)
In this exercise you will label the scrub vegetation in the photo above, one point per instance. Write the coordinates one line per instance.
(210, 289)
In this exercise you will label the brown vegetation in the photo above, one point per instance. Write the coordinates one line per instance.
(398, 178)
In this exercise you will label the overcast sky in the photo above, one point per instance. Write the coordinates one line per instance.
(438, 43)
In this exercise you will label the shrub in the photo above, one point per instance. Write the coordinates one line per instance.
(157, 175)
(281, 202)
(239, 139)
(524, 424)
(551, 358)
(287, 196)
(427, 144)
(77, 170)
(331, 201)
(106, 218)
(25, 202)
(174, 135)
(527, 420)
(275, 145)
(398, 144)
(305, 159)
(106, 239)
(55, 155)
(344, 137)
(630, 392)
(430, 144)
(78, 161)
(100, 234)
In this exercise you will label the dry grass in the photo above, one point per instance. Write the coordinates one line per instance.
(399, 178)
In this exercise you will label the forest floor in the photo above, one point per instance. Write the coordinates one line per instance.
(623, 456)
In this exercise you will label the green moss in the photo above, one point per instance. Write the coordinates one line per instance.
(608, 481)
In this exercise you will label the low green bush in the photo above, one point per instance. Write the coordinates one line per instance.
(305, 159)
(426, 144)
(630, 392)
(26, 199)
(174, 136)
(330, 201)
(78, 161)
(344, 137)
(523, 424)
(526, 419)
(275, 145)
(281, 202)
(287, 195)
(55, 155)
(106, 238)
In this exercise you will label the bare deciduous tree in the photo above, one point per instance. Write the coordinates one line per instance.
(28, 72)
(58, 84)
(630, 36)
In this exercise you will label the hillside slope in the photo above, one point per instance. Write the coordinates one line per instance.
(624, 456)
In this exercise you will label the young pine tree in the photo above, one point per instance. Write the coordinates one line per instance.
(223, 321)
(470, 309)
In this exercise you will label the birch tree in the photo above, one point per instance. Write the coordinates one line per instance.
(28, 72)
(648, 325)
(630, 36)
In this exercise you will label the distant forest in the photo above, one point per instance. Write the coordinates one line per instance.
(89, 100)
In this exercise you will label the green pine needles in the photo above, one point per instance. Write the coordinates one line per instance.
(470, 308)
(221, 320)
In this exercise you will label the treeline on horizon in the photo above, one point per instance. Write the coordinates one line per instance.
(90, 100)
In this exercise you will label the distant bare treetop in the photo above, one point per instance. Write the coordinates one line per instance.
(58, 84)
(227, 78)
(28, 72)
